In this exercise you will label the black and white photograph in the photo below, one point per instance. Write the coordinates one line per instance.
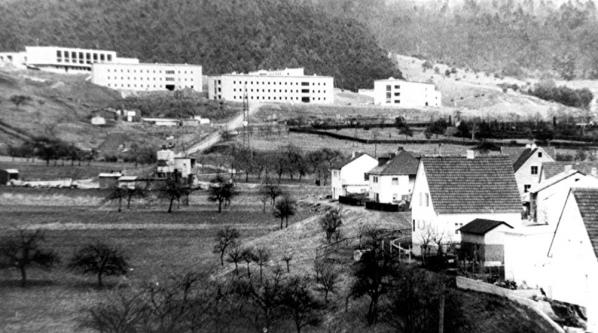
(308, 166)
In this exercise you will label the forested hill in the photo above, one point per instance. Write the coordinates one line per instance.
(221, 35)
(513, 37)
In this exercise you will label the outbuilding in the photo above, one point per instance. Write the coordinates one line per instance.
(482, 241)
(109, 179)
(6, 175)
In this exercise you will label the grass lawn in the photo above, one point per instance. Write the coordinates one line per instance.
(56, 298)
(38, 170)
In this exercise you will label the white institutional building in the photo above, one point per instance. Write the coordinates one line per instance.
(400, 93)
(290, 85)
(147, 77)
(62, 59)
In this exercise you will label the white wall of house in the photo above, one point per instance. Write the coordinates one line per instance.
(390, 188)
(526, 250)
(401, 93)
(550, 201)
(529, 173)
(573, 263)
(351, 177)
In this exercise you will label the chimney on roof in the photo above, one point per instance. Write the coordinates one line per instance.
(383, 160)
(400, 148)
(568, 167)
(470, 154)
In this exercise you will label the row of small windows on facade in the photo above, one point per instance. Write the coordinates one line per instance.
(396, 101)
(135, 86)
(81, 57)
(389, 95)
(280, 90)
(389, 87)
(147, 79)
(147, 71)
(279, 83)
(274, 98)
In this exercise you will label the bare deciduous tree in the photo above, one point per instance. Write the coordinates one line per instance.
(99, 259)
(225, 238)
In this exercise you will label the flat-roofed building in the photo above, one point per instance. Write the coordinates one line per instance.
(147, 77)
(65, 59)
(16, 59)
(400, 93)
(289, 85)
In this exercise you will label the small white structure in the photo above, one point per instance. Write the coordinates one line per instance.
(400, 93)
(349, 177)
(450, 191)
(527, 169)
(548, 197)
(109, 179)
(169, 122)
(15, 59)
(98, 120)
(147, 77)
(289, 85)
(573, 254)
(482, 241)
(393, 179)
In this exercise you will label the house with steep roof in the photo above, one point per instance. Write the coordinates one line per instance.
(450, 191)
(573, 254)
(551, 169)
(482, 242)
(393, 179)
(548, 197)
(349, 176)
(527, 168)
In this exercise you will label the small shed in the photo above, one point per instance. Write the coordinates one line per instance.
(483, 240)
(109, 179)
(129, 182)
(6, 175)
(98, 120)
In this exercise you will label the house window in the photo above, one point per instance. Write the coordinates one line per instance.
(395, 180)
(457, 227)
(427, 200)
(534, 170)
(540, 154)
(413, 225)
(526, 188)
(388, 87)
(375, 179)
(365, 175)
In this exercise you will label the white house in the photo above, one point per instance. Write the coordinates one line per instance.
(98, 120)
(147, 77)
(289, 85)
(551, 169)
(393, 179)
(573, 254)
(350, 176)
(450, 191)
(527, 169)
(401, 93)
(548, 197)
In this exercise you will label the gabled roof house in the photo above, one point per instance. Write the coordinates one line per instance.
(527, 168)
(573, 254)
(451, 191)
(393, 179)
(349, 176)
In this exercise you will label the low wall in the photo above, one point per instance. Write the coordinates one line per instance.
(522, 297)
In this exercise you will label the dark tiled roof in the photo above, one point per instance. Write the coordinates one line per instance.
(485, 184)
(551, 169)
(525, 155)
(481, 226)
(402, 164)
(587, 201)
(340, 164)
